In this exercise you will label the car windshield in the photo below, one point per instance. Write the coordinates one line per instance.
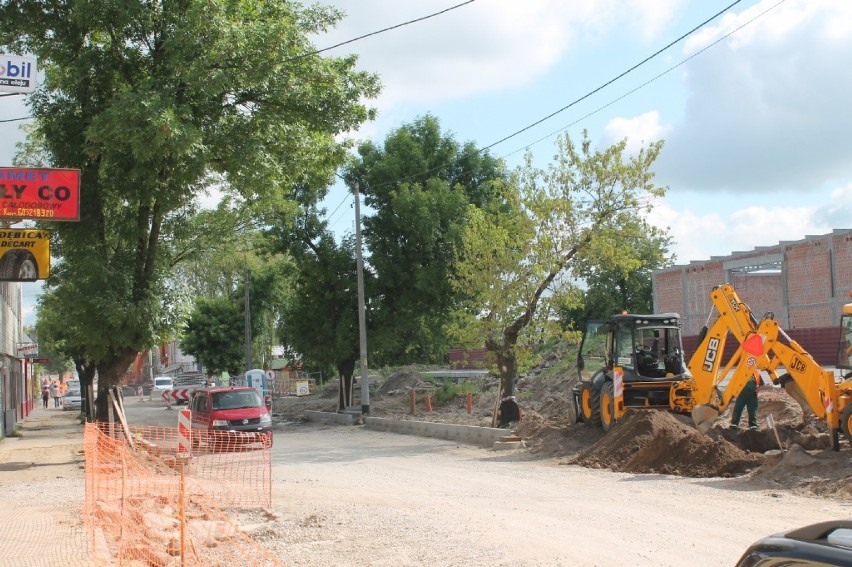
(72, 393)
(236, 400)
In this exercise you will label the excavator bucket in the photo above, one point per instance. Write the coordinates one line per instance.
(703, 416)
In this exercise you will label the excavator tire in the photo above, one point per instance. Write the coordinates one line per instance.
(846, 422)
(607, 406)
(589, 403)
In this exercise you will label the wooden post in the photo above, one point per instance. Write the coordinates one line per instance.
(469, 402)
(412, 400)
(427, 399)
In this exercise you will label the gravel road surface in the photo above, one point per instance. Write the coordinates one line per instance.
(348, 495)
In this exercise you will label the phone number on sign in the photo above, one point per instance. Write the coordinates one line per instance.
(28, 213)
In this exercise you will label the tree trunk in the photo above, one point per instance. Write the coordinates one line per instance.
(111, 373)
(86, 371)
(345, 372)
(507, 363)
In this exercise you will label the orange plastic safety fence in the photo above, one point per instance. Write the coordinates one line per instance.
(147, 502)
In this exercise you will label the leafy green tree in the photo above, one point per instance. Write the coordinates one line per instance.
(320, 318)
(214, 332)
(156, 103)
(521, 252)
(613, 289)
(214, 335)
(419, 184)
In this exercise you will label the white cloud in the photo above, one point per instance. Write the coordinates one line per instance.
(639, 131)
(768, 107)
(484, 47)
(700, 235)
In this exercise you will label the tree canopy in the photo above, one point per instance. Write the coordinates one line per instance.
(155, 103)
(522, 252)
(418, 185)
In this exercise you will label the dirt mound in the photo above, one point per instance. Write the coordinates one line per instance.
(399, 383)
(651, 441)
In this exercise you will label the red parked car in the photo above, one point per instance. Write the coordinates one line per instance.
(224, 417)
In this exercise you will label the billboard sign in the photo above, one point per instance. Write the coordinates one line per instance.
(24, 254)
(17, 74)
(39, 193)
(27, 350)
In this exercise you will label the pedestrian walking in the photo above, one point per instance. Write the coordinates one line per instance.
(45, 394)
(56, 394)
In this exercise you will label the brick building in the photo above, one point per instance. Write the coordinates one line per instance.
(804, 283)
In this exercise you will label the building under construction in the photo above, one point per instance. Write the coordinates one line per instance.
(804, 283)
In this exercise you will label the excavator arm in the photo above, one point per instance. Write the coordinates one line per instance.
(735, 320)
(761, 350)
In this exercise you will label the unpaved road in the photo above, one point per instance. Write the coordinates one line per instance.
(348, 495)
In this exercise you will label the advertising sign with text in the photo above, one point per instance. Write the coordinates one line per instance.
(27, 350)
(17, 74)
(39, 193)
(24, 254)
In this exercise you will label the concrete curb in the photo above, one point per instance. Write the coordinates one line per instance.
(471, 434)
(329, 418)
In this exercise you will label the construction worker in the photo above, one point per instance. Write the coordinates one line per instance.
(748, 400)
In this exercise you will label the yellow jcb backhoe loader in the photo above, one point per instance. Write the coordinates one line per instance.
(762, 349)
(636, 361)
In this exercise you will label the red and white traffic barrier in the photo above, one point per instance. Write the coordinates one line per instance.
(184, 432)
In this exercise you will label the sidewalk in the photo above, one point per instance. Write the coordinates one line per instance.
(42, 489)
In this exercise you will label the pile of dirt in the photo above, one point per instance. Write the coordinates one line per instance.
(652, 441)
(400, 382)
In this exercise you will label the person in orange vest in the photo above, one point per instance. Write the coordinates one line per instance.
(747, 400)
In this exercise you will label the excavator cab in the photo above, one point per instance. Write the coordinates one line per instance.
(641, 353)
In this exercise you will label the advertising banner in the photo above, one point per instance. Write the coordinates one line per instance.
(17, 74)
(24, 254)
(27, 350)
(39, 193)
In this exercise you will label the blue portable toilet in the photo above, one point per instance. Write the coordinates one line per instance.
(256, 378)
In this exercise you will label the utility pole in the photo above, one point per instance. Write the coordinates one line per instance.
(362, 326)
(247, 322)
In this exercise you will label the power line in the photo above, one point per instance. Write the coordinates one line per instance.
(551, 115)
(651, 80)
(308, 54)
(620, 75)
(360, 37)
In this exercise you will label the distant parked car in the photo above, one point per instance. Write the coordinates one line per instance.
(826, 544)
(161, 384)
(72, 400)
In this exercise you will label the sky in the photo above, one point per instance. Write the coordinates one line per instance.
(753, 105)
